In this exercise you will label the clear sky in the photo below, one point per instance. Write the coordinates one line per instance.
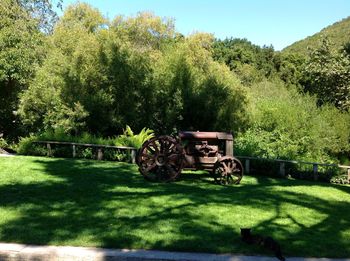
(263, 22)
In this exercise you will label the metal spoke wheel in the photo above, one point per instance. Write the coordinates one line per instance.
(228, 170)
(160, 159)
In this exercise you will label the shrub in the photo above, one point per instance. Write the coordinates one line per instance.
(61, 151)
(3, 143)
(85, 137)
(128, 138)
(289, 125)
(27, 146)
(86, 153)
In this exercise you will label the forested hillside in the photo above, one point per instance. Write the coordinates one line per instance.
(85, 73)
(338, 33)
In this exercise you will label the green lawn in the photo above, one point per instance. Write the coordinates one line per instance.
(106, 204)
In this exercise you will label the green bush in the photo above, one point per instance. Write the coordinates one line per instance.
(128, 138)
(86, 153)
(61, 151)
(54, 135)
(290, 125)
(60, 135)
(27, 146)
(3, 143)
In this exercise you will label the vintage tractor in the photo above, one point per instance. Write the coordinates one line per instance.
(163, 158)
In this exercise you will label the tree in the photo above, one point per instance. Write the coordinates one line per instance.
(20, 53)
(134, 71)
(327, 74)
(290, 125)
(195, 92)
(70, 78)
(346, 49)
(22, 40)
(41, 11)
(95, 66)
(145, 31)
(250, 62)
(290, 67)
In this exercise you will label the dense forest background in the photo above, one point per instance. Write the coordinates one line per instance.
(83, 73)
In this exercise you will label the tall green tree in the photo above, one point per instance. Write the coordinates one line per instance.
(327, 74)
(23, 25)
(20, 53)
(100, 67)
(250, 62)
(138, 71)
(195, 92)
(290, 67)
(42, 11)
(68, 84)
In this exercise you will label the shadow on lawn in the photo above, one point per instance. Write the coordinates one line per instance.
(112, 206)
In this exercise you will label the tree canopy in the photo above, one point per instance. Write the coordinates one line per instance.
(86, 73)
(21, 51)
(327, 74)
(99, 76)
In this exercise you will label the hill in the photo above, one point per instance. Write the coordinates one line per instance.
(338, 33)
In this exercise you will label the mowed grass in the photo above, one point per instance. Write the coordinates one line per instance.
(106, 204)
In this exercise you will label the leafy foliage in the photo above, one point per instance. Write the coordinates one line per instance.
(20, 47)
(194, 92)
(139, 74)
(28, 145)
(23, 24)
(87, 77)
(290, 67)
(338, 33)
(3, 143)
(128, 138)
(42, 11)
(289, 125)
(327, 74)
(251, 62)
(254, 64)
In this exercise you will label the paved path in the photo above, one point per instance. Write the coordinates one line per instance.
(6, 155)
(19, 252)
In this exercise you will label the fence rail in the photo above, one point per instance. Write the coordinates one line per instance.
(99, 148)
(282, 163)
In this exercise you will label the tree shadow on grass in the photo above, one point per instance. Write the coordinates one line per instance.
(111, 205)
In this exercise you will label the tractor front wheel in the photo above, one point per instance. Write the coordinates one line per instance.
(228, 170)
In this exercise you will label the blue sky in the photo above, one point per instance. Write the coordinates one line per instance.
(263, 22)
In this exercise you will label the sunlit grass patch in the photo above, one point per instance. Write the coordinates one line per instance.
(106, 204)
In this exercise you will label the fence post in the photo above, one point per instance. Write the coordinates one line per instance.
(282, 169)
(133, 156)
(315, 171)
(247, 166)
(49, 151)
(99, 154)
(74, 151)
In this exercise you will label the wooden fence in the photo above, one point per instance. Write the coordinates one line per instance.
(247, 163)
(99, 148)
(282, 165)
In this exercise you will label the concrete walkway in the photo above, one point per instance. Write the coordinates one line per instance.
(7, 155)
(18, 252)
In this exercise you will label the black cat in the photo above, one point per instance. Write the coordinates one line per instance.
(266, 242)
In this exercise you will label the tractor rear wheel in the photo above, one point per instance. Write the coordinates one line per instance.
(161, 159)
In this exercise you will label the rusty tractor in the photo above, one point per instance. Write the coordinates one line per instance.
(163, 158)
